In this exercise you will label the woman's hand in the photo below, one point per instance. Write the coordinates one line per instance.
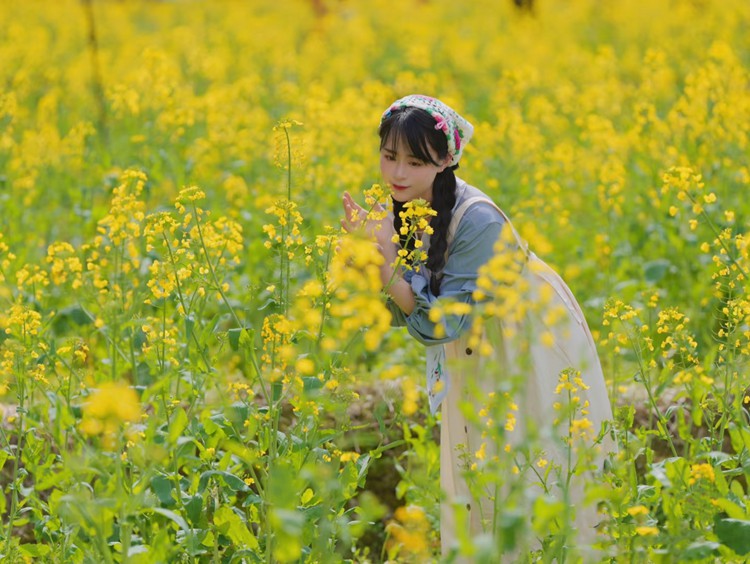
(355, 217)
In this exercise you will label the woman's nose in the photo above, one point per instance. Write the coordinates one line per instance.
(400, 170)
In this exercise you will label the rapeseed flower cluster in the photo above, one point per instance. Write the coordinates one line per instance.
(23, 350)
(195, 251)
(645, 524)
(678, 345)
(409, 534)
(703, 471)
(108, 411)
(126, 214)
(64, 264)
(502, 291)
(22, 321)
(285, 234)
(160, 231)
(277, 334)
(32, 279)
(629, 331)
(6, 257)
(497, 419)
(161, 341)
(415, 221)
(355, 285)
(580, 431)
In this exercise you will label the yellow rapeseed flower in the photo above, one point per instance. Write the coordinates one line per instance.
(107, 409)
(703, 471)
(409, 533)
(410, 396)
(481, 454)
(349, 456)
(637, 510)
(305, 366)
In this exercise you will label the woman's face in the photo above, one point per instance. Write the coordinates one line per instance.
(408, 177)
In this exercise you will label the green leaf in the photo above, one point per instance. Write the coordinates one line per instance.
(307, 495)
(732, 509)
(240, 337)
(231, 525)
(700, 550)
(35, 550)
(276, 389)
(234, 338)
(143, 372)
(189, 325)
(230, 480)
(717, 457)
(740, 437)
(137, 549)
(288, 525)
(177, 425)
(171, 515)
(51, 479)
(239, 450)
(369, 507)
(162, 487)
(194, 509)
(209, 540)
(626, 414)
(734, 533)
(546, 512)
(739, 493)
(697, 414)
(311, 383)
(71, 315)
(655, 270)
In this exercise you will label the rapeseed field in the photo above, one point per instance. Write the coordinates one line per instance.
(192, 371)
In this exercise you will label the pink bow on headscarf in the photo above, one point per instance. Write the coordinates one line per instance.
(441, 124)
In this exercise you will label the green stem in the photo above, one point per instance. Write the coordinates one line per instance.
(325, 293)
(342, 355)
(163, 339)
(211, 269)
(125, 526)
(541, 479)
(647, 385)
(109, 339)
(285, 285)
(13, 510)
(173, 262)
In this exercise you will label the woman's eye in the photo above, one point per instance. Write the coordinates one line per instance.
(416, 163)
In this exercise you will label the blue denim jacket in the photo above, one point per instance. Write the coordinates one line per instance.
(472, 246)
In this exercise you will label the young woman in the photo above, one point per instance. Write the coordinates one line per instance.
(421, 143)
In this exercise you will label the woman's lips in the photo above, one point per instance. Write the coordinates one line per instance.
(398, 187)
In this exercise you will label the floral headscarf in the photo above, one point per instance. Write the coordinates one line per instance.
(457, 130)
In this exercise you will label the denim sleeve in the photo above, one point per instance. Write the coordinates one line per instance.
(473, 245)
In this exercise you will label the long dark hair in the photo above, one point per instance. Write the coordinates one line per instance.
(417, 128)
